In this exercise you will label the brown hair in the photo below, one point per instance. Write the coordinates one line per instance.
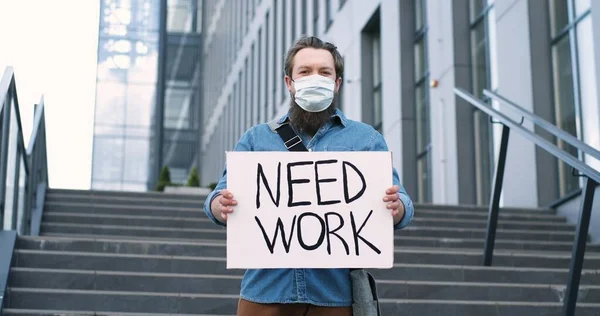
(313, 42)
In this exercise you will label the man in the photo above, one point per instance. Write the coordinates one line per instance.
(313, 75)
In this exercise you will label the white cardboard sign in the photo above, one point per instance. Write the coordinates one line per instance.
(309, 210)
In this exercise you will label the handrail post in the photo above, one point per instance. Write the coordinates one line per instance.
(578, 253)
(490, 237)
(4, 137)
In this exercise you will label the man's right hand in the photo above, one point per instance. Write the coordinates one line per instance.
(223, 205)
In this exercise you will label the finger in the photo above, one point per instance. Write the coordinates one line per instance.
(226, 201)
(393, 205)
(227, 194)
(392, 190)
(390, 198)
(226, 209)
(224, 216)
(395, 212)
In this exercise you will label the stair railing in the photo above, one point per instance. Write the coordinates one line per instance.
(23, 170)
(591, 180)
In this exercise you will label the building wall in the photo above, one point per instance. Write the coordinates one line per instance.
(148, 93)
(444, 150)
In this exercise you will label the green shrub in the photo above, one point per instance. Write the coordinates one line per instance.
(164, 179)
(193, 179)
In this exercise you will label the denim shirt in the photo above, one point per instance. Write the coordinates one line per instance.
(323, 287)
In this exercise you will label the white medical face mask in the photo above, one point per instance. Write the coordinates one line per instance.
(314, 93)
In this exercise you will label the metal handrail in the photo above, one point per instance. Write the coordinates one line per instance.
(549, 127)
(592, 178)
(33, 157)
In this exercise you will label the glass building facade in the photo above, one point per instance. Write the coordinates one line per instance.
(147, 90)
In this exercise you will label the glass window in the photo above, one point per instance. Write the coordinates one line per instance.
(423, 128)
(259, 74)
(420, 59)
(278, 59)
(140, 104)
(316, 17)
(199, 16)
(559, 15)
(572, 94)
(136, 160)
(480, 72)
(476, 8)
(179, 16)
(304, 17)
(565, 110)
(284, 39)
(108, 158)
(377, 104)
(177, 108)
(110, 103)
(479, 59)
(421, 93)
(294, 18)
(328, 14)
(266, 72)
(253, 85)
(419, 14)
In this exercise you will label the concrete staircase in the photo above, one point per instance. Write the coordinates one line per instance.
(108, 253)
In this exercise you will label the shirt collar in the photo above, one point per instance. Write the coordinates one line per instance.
(338, 114)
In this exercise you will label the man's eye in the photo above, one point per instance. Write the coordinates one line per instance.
(302, 72)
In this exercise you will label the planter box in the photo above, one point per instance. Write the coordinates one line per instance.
(187, 190)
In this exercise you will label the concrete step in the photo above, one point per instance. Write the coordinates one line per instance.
(479, 291)
(176, 211)
(51, 193)
(168, 201)
(216, 265)
(477, 208)
(112, 301)
(479, 233)
(218, 232)
(480, 273)
(230, 284)
(52, 312)
(189, 247)
(203, 222)
(130, 220)
(541, 225)
(165, 303)
(124, 281)
(483, 215)
(479, 308)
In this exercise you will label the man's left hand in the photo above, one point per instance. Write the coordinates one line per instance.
(394, 204)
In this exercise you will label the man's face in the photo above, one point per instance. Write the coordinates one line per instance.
(311, 61)
(307, 62)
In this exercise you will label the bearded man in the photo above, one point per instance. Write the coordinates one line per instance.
(313, 75)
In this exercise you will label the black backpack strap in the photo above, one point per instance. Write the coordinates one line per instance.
(292, 141)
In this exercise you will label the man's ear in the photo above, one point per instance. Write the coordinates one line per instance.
(338, 84)
(289, 83)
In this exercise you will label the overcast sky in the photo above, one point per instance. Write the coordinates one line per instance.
(52, 46)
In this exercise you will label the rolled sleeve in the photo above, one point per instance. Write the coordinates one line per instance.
(208, 202)
(409, 211)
